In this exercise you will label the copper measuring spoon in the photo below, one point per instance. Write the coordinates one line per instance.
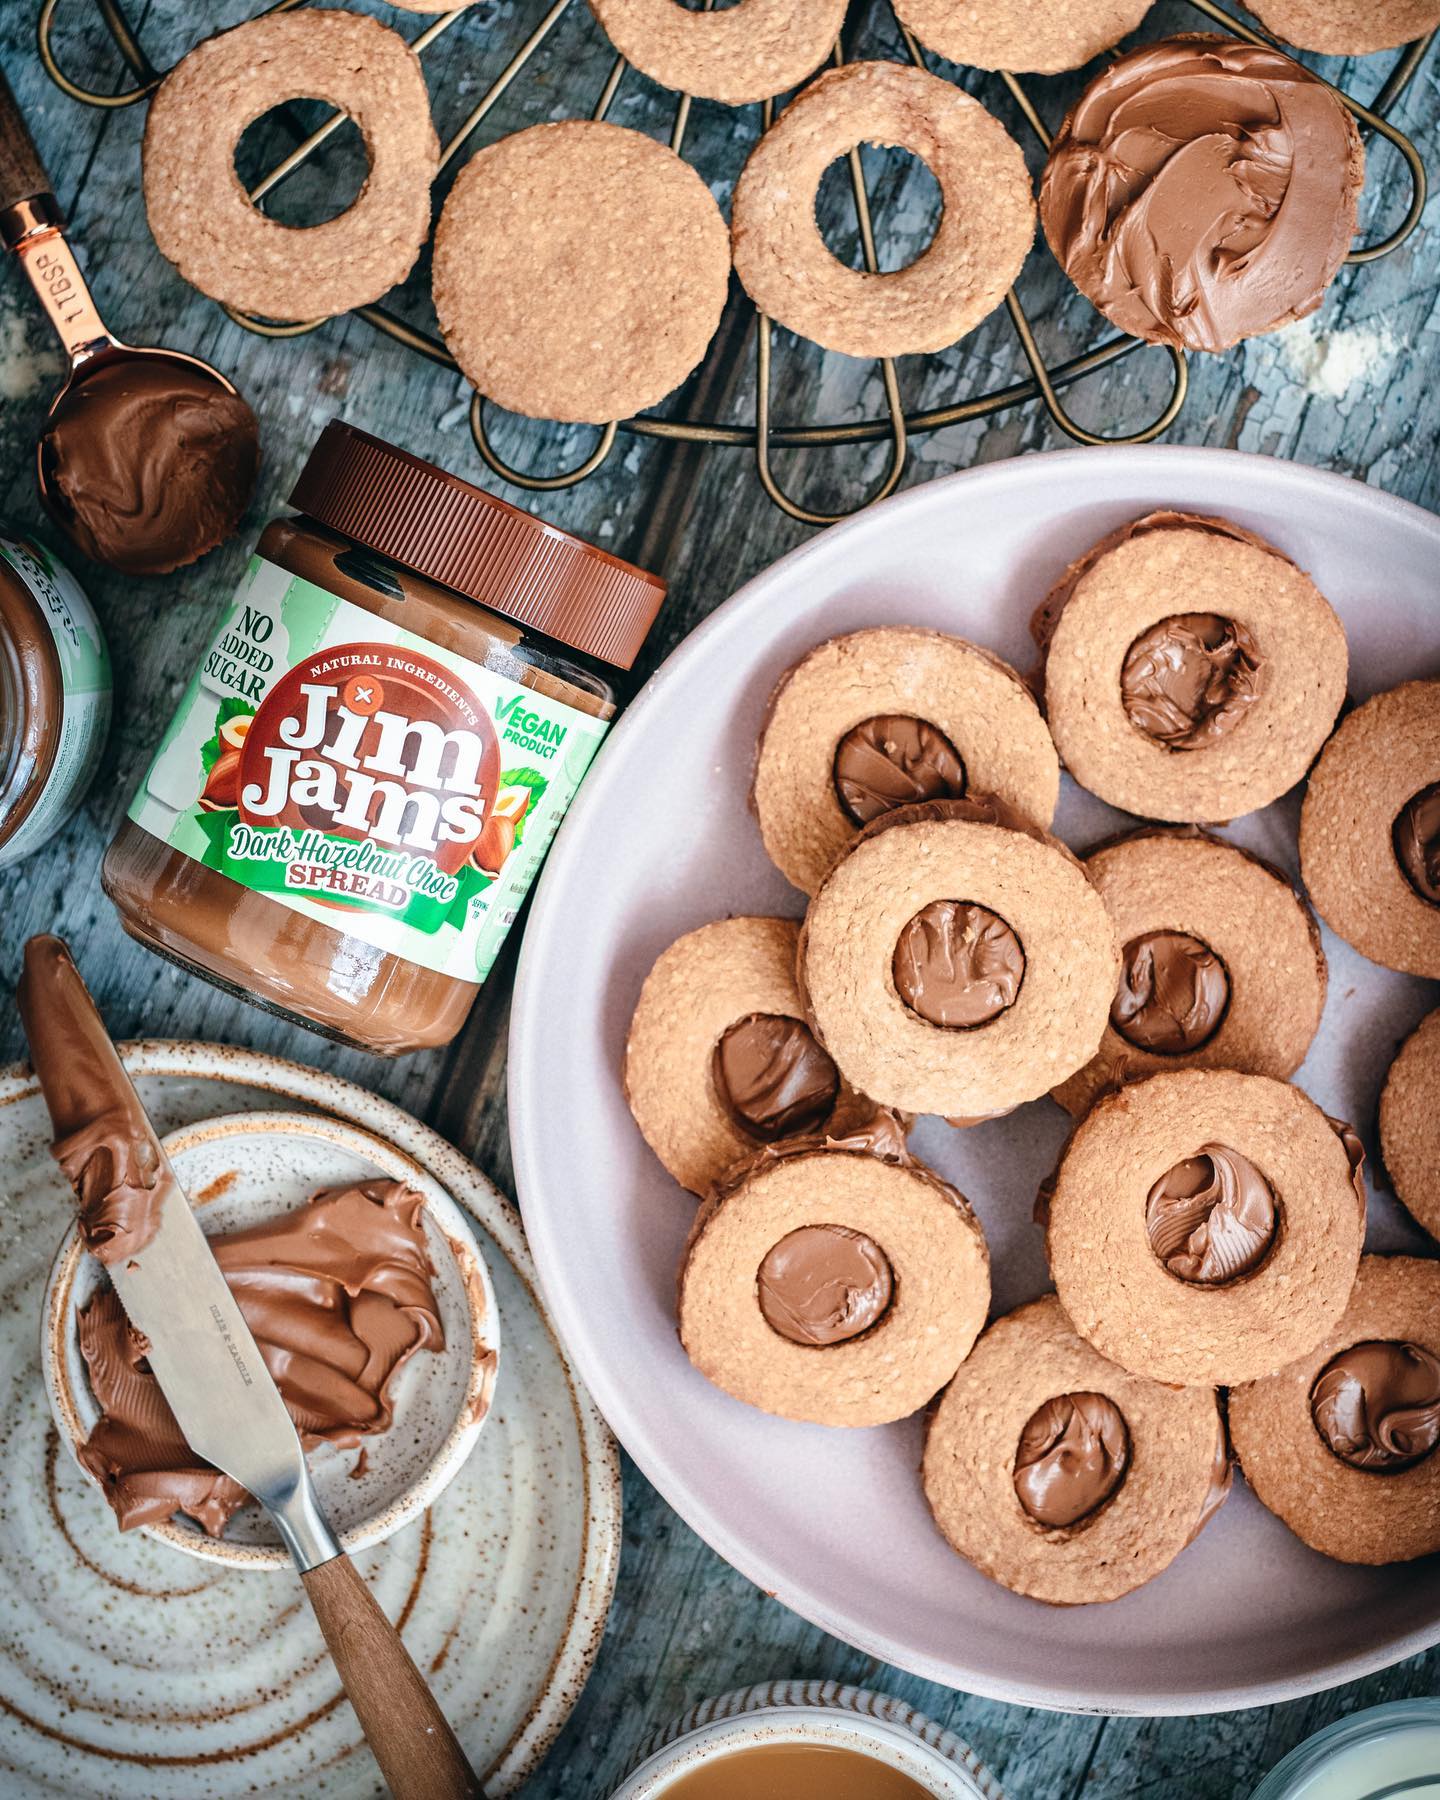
(178, 506)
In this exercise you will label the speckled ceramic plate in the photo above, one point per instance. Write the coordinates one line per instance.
(128, 1670)
(661, 840)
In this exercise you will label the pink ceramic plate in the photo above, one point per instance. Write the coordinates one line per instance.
(832, 1522)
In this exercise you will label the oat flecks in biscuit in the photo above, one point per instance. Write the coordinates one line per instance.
(200, 214)
(1121, 1296)
(984, 234)
(1348, 27)
(941, 1286)
(580, 271)
(1169, 1489)
(977, 701)
(1410, 1123)
(1354, 1515)
(1243, 911)
(1162, 567)
(1383, 754)
(749, 51)
(1015, 35)
(897, 867)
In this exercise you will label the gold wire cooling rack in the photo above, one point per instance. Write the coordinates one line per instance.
(1044, 383)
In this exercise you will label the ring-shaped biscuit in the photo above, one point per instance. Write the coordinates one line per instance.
(1410, 1123)
(1107, 1264)
(200, 215)
(580, 271)
(1348, 27)
(1026, 40)
(1052, 1017)
(1278, 668)
(706, 985)
(1175, 1479)
(1384, 758)
(1356, 1515)
(980, 706)
(750, 51)
(1252, 1003)
(985, 232)
(938, 1297)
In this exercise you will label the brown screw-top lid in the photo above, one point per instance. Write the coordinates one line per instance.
(456, 534)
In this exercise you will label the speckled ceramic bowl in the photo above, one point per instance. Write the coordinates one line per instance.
(238, 1171)
(823, 1713)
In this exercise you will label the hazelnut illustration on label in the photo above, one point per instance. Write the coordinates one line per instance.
(391, 789)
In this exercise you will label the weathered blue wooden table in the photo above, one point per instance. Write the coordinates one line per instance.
(1355, 389)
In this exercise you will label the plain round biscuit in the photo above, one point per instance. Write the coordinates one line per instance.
(702, 984)
(1410, 1123)
(1018, 36)
(895, 868)
(941, 1271)
(1254, 921)
(1348, 27)
(202, 218)
(1383, 754)
(1176, 1437)
(978, 701)
(1156, 575)
(580, 271)
(1120, 1295)
(750, 51)
(1354, 1515)
(985, 232)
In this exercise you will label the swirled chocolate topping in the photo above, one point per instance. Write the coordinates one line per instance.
(895, 760)
(958, 965)
(1072, 1456)
(1377, 1405)
(338, 1296)
(824, 1284)
(102, 1138)
(1355, 1154)
(1190, 679)
(149, 462)
(1173, 993)
(1212, 1217)
(1416, 837)
(1203, 190)
(772, 1077)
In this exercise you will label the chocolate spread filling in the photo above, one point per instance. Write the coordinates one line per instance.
(824, 1284)
(1416, 837)
(149, 462)
(338, 1295)
(1188, 681)
(1377, 1405)
(895, 760)
(1212, 1217)
(958, 965)
(1072, 1456)
(1173, 993)
(773, 1078)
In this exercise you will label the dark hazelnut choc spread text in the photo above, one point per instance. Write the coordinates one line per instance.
(365, 772)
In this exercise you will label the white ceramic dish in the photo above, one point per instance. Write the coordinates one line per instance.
(128, 1672)
(824, 1713)
(239, 1171)
(834, 1523)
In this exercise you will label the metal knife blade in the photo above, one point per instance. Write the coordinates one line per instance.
(201, 1351)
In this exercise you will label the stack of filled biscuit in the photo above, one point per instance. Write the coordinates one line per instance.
(1205, 1225)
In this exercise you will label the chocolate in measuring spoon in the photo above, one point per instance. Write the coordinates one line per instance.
(149, 456)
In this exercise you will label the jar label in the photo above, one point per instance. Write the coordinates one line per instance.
(363, 776)
(85, 680)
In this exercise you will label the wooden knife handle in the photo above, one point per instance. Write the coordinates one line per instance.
(22, 174)
(413, 1743)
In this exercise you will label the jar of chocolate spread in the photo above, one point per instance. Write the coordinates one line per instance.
(366, 769)
(54, 695)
